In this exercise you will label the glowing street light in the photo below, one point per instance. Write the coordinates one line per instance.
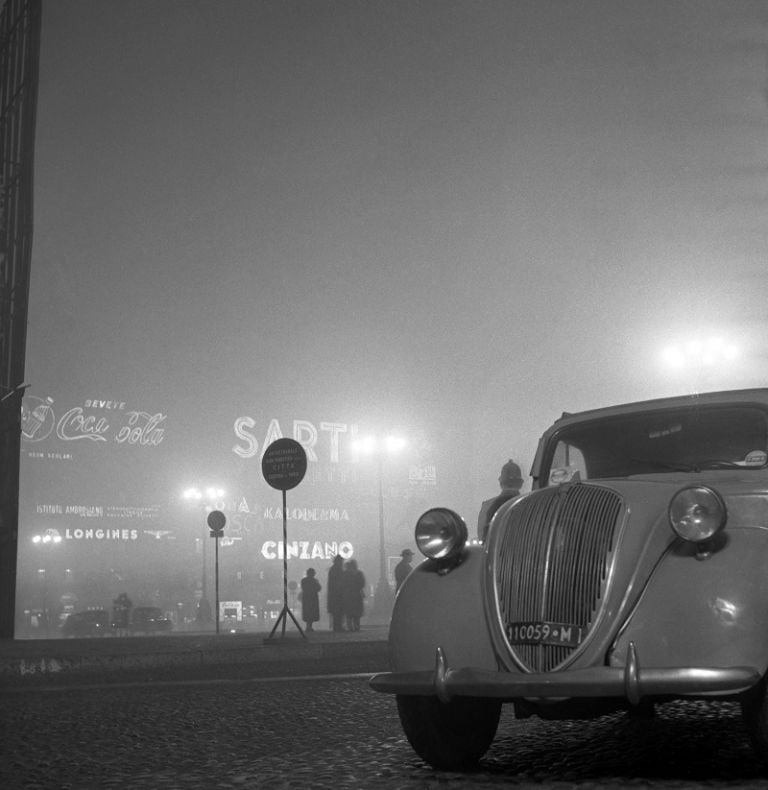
(698, 354)
(206, 498)
(700, 358)
(51, 537)
(379, 448)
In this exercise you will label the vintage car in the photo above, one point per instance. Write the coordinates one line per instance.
(92, 622)
(149, 620)
(634, 572)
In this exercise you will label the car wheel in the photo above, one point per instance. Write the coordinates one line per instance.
(449, 736)
(754, 710)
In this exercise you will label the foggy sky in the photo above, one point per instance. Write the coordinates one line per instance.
(391, 210)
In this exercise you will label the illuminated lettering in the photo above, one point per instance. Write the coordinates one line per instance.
(300, 428)
(304, 550)
(273, 433)
(268, 550)
(252, 445)
(142, 429)
(335, 428)
(101, 534)
(73, 426)
(304, 432)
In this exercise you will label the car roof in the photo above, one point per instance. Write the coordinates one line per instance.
(757, 396)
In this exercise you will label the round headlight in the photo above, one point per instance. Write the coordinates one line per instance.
(440, 533)
(697, 513)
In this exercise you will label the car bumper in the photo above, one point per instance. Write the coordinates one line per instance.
(630, 682)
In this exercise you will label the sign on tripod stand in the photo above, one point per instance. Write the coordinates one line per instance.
(283, 466)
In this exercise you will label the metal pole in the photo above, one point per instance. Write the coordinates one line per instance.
(45, 602)
(204, 580)
(382, 550)
(217, 582)
(383, 598)
(285, 561)
(205, 609)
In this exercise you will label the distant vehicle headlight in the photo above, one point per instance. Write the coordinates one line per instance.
(440, 534)
(697, 513)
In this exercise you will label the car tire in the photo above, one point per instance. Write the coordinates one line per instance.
(754, 711)
(449, 736)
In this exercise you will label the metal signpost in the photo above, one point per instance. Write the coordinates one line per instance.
(216, 521)
(283, 466)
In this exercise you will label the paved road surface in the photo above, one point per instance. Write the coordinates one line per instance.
(335, 733)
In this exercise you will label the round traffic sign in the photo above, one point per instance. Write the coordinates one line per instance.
(216, 521)
(284, 464)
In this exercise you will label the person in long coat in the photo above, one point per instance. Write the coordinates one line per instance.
(335, 593)
(121, 614)
(354, 592)
(310, 599)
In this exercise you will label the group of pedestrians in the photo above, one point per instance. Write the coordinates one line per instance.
(345, 595)
(346, 583)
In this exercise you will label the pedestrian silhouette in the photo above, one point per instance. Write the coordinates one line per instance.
(510, 481)
(335, 593)
(310, 599)
(403, 568)
(353, 586)
(121, 613)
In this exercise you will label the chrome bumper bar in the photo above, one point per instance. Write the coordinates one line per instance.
(630, 681)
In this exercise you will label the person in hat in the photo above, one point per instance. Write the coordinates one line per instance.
(310, 599)
(335, 593)
(510, 480)
(403, 568)
(353, 592)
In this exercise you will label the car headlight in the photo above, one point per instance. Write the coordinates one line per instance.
(697, 513)
(440, 534)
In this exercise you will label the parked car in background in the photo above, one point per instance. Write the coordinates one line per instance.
(149, 620)
(93, 622)
(634, 572)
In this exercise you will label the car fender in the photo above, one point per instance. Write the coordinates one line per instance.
(442, 609)
(710, 610)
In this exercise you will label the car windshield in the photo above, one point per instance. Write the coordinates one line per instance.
(681, 440)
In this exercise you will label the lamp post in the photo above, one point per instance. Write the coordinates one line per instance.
(206, 499)
(49, 538)
(379, 448)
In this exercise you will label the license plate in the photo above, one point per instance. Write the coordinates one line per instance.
(541, 633)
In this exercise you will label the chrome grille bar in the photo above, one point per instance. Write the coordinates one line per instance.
(552, 563)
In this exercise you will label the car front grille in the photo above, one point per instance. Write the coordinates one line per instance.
(551, 563)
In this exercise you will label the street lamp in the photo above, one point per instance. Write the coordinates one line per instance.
(206, 499)
(49, 538)
(699, 358)
(379, 448)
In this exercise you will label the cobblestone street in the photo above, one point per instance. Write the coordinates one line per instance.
(336, 733)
